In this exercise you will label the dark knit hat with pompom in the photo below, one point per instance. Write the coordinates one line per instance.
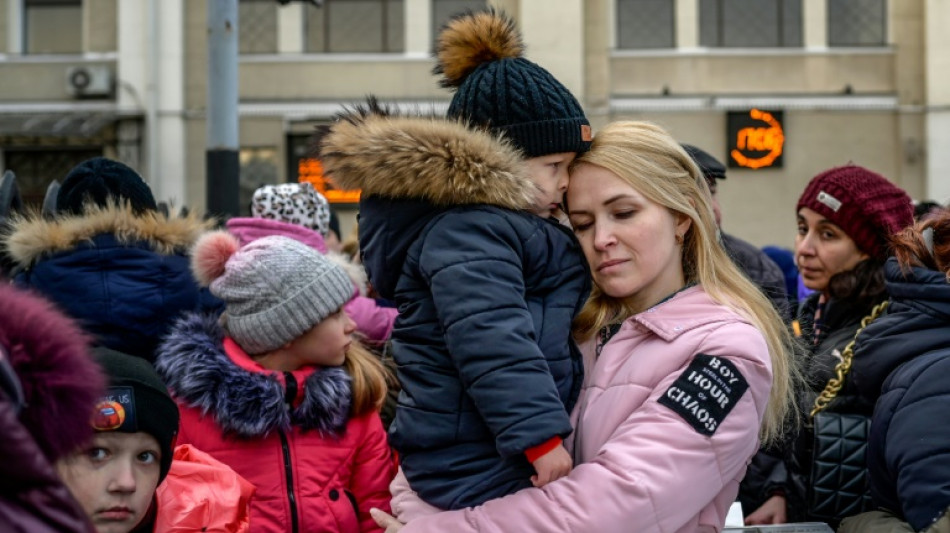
(480, 55)
(102, 182)
(864, 204)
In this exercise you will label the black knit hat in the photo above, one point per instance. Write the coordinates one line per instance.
(102, 181)
(480, 54)
(136, 400)
(711, 167)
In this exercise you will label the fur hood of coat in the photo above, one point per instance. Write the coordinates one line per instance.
(33, 238)
(199, 373)
(435, 160)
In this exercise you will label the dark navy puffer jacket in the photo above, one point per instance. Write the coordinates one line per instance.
(486, 296)
(909, 444)
(124, 276)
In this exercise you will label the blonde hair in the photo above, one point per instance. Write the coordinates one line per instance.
(369, 376)
(369, 379)
(653, 163)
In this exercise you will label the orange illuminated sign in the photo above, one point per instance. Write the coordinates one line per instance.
(310, 170)
(756, 138)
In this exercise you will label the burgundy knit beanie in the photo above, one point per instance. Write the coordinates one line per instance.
(864, 204)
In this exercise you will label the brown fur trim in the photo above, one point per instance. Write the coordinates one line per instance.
(432, 159)
(472, 39)
(34, 237)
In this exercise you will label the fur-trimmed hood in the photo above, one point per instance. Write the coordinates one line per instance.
(199, 373)
(34, 237)
(439, 161)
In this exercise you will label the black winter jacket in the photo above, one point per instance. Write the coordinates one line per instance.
(486, 295)
(840, 322)
(909, 444)
(761, 270)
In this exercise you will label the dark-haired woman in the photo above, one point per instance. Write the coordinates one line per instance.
(845, 217)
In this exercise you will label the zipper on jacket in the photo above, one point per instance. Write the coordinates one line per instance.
(289, 475)
(290, 393)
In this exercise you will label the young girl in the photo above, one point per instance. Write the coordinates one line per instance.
(455, 228)
(278, 390)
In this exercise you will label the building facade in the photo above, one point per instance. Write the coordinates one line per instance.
(780, 89)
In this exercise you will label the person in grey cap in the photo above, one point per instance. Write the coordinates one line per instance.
(276, 387)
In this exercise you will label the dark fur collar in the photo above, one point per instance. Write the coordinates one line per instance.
(199, 373)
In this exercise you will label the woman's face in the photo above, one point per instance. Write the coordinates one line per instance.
(114, 478)
(630, 242)
(822, 249)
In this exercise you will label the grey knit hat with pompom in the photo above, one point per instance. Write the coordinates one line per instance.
(274, 289)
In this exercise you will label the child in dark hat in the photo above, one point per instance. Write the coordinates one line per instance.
(115, 476)
(277, 389)
(118, 476)
(109, 258)
(457, 227)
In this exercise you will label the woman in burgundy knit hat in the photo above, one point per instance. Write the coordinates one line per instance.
(845, 219)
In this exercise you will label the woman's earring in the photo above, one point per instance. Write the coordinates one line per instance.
(679, 239)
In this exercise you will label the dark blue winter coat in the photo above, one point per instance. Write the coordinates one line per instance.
(125, 277)
(907, 352)
(486, 295)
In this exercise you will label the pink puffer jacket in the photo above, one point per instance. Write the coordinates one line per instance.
(665, 426)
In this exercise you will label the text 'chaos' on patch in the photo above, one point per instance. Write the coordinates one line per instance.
(705, 392)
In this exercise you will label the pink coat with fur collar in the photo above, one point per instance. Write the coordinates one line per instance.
(641, 465)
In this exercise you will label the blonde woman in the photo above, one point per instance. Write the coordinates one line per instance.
(689, 365)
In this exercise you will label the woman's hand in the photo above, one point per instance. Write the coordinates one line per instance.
(386, 520)
(771, 512)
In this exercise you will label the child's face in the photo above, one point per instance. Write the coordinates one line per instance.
(326, 343)
(549, 174)
(114, 478)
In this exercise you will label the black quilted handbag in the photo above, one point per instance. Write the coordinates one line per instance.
(839, 472)
(838, 484)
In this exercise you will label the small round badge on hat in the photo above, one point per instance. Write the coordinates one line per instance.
(108, 416)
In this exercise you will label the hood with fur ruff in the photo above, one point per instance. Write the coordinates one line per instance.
(439, 161)
(199, 373)
(412, 169)
(33, 238)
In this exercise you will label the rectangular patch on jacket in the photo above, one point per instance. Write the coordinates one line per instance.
(705, 392)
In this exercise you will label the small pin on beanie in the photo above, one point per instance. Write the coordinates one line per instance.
(136, 400)
(100, 181)
(480, 54)
(864, 204)
(274, 289)
(293, 203)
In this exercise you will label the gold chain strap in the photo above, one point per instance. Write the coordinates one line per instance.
(841, 369)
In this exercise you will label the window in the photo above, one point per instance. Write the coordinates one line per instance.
(645, 24)
(257, 27)
(52, 26)
(750, 23)
(258, 167)
(857, 22)
(444, 10)
(356, 26)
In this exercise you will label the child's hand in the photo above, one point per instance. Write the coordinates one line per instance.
(552, 465)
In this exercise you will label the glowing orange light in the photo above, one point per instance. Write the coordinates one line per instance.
(770, 139)
(310, 170)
